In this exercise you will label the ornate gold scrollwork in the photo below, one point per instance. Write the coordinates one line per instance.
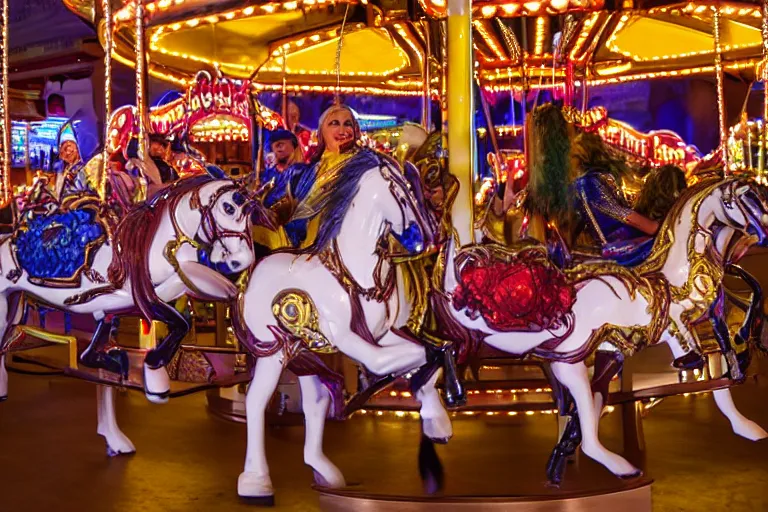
(297, 314)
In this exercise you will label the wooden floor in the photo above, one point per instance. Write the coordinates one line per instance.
(52, 460)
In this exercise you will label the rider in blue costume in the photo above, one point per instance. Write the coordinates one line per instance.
(292, 181)
(625, 236)
(53, 245)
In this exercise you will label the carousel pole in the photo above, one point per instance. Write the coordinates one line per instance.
(461, 110)
(720, 90)
(142, 77)
(5, 135)
(763, 137)
(107, 8)
(426, 114)
(284, 102)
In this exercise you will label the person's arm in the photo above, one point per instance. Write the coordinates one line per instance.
(642, 223)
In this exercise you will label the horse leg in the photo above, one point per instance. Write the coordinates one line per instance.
(254, 482)
(117, 442)
(574, 377)
(315, 400)
(157, 383)
(115, 361)
(3, 380)
(436, 424)
(740, 424)
(723, 335)
(608, 364)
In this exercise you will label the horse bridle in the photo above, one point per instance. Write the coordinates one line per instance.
(211, 230)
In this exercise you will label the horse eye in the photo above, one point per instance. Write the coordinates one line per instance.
(229, 209)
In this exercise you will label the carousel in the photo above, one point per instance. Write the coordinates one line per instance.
(443, 270)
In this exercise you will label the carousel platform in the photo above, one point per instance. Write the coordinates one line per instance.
(631, 496)
(188, 461)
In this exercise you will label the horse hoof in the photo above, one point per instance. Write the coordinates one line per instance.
(631, 476)
(439, 430)
(321, 481)
(156, 378)
(157, 398)
(3, 398)
(259, 501)
(255, 489)
(111, 452)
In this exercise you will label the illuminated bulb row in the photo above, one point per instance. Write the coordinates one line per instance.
(698, 8)
(611, 45)
(531, 8)
(672, 73)
(246, 12)
(219, 137)
(541, 31)
(409, 41)
(586, 30)
(330, 89)
(489, 40)
(407, 394)
(318, 37)
(415, 415)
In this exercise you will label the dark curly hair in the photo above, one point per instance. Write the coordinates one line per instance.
(661, 189)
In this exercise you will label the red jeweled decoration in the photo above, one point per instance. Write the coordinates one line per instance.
(523, 292)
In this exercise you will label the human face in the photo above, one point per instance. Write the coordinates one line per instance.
(68, 152)
(158, 149)
(339, 131)
(283, 150)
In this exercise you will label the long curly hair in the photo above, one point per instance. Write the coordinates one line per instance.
(549, 167)
(660, 191)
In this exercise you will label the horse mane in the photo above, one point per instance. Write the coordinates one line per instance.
(132, 241)
(340, 199)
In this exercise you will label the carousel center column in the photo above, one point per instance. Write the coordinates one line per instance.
(461, 134)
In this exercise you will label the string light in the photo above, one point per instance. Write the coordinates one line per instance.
(5, 165)
(612, 45)
(107, 7)
(720, 89)
(490, 40)
(141, 63)
(541, 35)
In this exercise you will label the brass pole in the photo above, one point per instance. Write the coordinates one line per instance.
(720, 91)
(461, 113)
(5, 165)
(107, 8)
(763, 137)
(141, 77)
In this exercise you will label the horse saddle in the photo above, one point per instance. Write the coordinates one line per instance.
(56, 248)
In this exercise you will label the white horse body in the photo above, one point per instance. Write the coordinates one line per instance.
(235, 251)
(607, 301)
(362, 227)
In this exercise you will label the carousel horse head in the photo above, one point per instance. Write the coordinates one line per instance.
(745, 208)
(226, 209)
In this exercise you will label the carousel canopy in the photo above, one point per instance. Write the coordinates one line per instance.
(295, 42)
(666, 39)
(270, 42)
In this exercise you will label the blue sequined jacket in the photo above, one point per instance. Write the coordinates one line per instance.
(294, 182)
(603, 209)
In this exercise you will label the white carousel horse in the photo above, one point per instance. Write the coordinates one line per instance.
(704, 229)
(157, 261)
(320, 294)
